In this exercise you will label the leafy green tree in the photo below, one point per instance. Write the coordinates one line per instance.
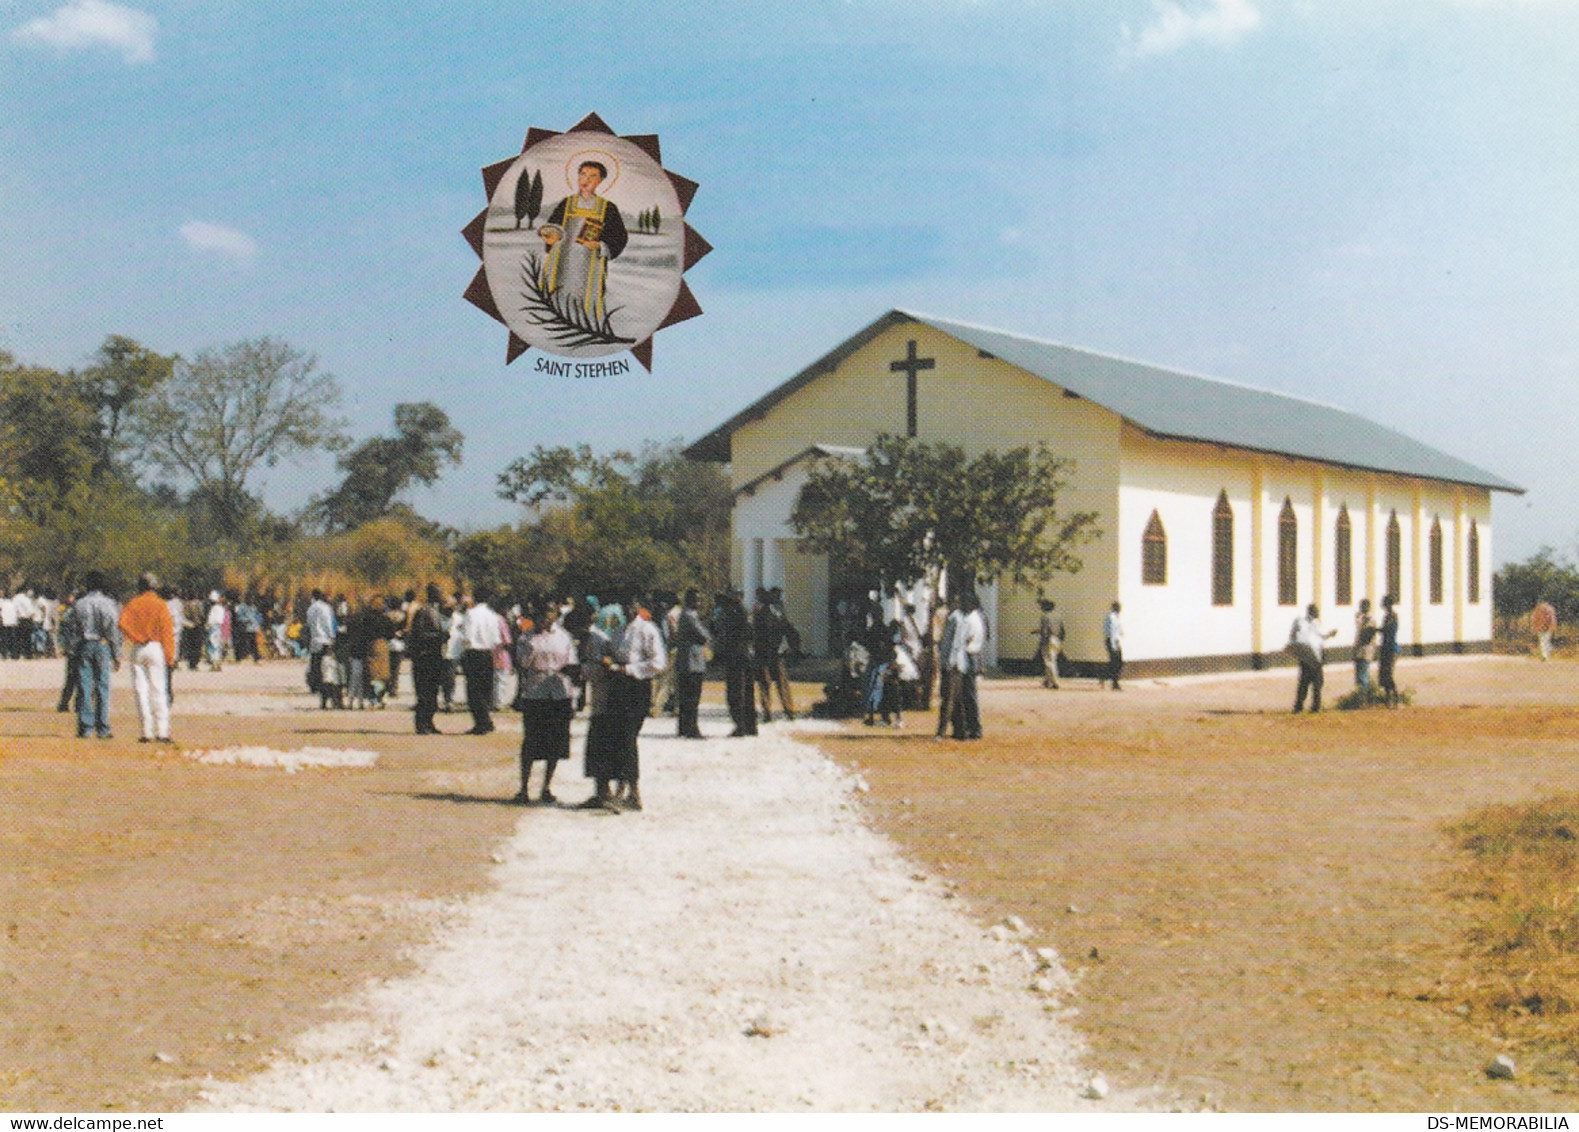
(381, 467)
(522, 560)
(110, 526)
(48, 436)
(61, 511)
(908, 510)
(612, 524)
(122, 373)
(234, 408)
(1545, 575)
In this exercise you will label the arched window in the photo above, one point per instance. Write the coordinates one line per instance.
(1287, 555)
(1222, 551)
(1343, 558)
(1395, 558)
(1154, 553)
(1436, 561)
(1472, 566)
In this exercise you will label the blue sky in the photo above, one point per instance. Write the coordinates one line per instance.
(1373, 203)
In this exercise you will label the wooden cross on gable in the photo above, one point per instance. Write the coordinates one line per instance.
(911, 366)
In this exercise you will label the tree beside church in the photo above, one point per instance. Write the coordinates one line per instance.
(909, 511)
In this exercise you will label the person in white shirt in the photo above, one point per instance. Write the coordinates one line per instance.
(481, 633)
(26, 622)
(454, 649)
(322, 628)
(970, 638)
(1113, 638)
(9, 643)
(645, 658)
(49, 620)
(1305, 638)
(177, 608)
(218, 627)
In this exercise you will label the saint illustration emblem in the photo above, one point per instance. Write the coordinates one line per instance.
(583, 246)
(584, 232)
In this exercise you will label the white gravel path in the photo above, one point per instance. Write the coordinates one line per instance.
(746, 944)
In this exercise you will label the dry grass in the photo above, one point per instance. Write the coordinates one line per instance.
(1520, 883)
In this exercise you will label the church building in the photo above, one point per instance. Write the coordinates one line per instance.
(1224, 510)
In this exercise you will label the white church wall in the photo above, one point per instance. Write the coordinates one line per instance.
(806, 597)
(1346, 492)
(1395, 497)
(1372, 500)
(1181, 484)
(1285, 481)
(1455, 618)
(765, 512)
(1478, 614)
(1088, 435)
(1436, 620)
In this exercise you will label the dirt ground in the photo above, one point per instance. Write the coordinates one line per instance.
(1258, 907)
(155, 908)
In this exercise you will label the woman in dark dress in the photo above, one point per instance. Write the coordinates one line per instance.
(545, 660)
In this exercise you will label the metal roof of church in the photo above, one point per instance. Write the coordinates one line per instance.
(1164, 403)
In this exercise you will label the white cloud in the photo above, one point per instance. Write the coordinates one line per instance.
(1222, 23)
(200, 235)
(93, 23)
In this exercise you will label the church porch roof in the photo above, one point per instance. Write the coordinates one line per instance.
(837, 451)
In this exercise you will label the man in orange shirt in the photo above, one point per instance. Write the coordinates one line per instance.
(150, 642)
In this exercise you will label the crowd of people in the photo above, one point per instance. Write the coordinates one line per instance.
(29, 621)
(86, 628)
(894, 657)
(621, 658)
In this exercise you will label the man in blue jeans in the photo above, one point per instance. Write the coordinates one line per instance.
(98, 619)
